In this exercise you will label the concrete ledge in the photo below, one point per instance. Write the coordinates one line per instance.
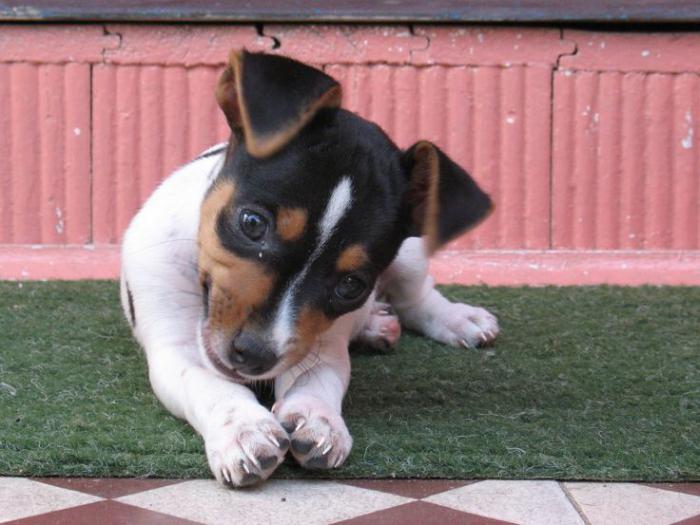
(37, 262)
(568, 267)
(490, 267)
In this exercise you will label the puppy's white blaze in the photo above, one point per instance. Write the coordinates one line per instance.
(337, 207)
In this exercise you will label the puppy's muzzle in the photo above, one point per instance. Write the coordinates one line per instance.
(251, 355)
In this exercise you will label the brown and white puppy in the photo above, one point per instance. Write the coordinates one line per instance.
(264, 257)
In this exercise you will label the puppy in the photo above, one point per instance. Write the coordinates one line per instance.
(263, 258)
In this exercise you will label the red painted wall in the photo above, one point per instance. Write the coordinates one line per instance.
(586, 140)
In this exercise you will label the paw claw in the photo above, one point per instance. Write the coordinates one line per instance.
(245, 450)
(323, 441)
(272, 439)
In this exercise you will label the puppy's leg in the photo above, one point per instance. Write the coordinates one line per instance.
(309, 402)
(244, 442)
(421, 307)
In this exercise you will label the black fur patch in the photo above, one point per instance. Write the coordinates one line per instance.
(277, 89)
(132, 310)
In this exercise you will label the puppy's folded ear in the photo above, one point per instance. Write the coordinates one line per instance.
(270, 98)
(442, 200)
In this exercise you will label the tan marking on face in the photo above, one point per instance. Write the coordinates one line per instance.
(238, 285)
(351, 258)
(291, 223)
(310, 324)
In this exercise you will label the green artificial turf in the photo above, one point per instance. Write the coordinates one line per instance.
(584, 383)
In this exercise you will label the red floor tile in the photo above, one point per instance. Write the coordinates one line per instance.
(695, 520)
(108, 487)
(409, 488)
(102, 513)
(421, 513)
(686, 488)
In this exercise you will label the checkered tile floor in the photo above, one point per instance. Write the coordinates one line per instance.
(78, 501)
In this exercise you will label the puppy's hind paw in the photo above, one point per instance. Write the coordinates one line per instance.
(382, 329)
(244, 449)
(462, 325)
(319, 436)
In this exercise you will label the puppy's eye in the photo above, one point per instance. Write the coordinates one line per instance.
(252, 224)
(350, 287)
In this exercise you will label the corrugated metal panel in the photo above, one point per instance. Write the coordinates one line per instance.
(150, 120)
(626, 161)
(44, 153)
(477, 115)
(493, 121)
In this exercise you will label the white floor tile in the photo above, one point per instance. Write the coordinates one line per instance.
(524, 502)
(615, 503)
(21, 497)
(277, 501)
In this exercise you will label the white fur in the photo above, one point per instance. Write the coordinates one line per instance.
(159, 265)
(337, 207)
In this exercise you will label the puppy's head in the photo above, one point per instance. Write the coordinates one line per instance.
(311, 205)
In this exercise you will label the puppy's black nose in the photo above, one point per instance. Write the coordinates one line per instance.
(251, 355)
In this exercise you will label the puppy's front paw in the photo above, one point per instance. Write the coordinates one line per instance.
(458, 324)
(319, 437)
(244, 446)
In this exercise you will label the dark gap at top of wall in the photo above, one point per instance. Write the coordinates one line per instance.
(605, 12)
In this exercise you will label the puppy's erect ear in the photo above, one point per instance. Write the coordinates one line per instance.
(442, 200)
(270, 98)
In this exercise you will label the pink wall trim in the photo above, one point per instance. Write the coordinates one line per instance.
(633, 51)
(490, 267)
